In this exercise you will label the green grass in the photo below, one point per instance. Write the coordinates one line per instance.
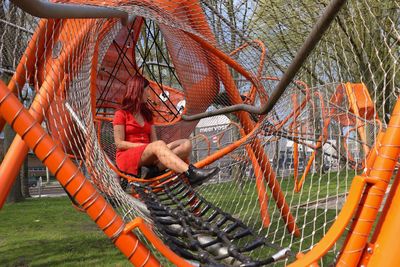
(50, 232)
(321, 186)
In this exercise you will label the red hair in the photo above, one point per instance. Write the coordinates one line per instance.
(132, 100)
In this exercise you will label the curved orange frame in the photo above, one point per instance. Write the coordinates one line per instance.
(379, 169)
(355, 129)
(252, 95)
(205, 138)
(218, 60)
(221, 135)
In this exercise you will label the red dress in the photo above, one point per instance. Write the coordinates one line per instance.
(128, 160)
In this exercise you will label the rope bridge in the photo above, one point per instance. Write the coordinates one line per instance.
(197, 230)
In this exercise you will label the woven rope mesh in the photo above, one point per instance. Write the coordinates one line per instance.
(329, 116)
(16, 29)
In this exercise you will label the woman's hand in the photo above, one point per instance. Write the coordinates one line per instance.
(126, 145)
(119, 138)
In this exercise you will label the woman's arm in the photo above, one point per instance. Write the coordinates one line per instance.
(153, 134)
(119, 138)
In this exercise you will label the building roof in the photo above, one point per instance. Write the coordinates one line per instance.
(213, 121)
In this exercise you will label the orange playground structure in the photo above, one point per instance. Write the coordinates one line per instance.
(309, 156)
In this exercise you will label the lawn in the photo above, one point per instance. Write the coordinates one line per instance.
(313, 222)
(50, 232)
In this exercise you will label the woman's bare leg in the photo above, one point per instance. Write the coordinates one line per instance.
(182, 148)
(159, 151)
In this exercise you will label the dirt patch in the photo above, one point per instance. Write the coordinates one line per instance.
(334, 202)
(330, 203)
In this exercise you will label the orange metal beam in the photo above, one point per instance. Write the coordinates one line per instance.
(385, 249)
(337, 228)
(319, 144)
(380, 174)
(275, 188)
(15, 156)
(253, 89)
(295, 162)
(261, 190)
(295, 144)
(33, 52)
(156, 242)
(359, 124)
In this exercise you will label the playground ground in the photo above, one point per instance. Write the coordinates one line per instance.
(50, 232)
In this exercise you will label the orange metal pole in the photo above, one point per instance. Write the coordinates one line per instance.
(380, 174)
(354, 106)
(295, 144)
(33, 52)
(299, 185)
(300, 255)
(74, 182)
(261, 190)
(18, 150)
(374, 153)
(337, 228)
(10, 167)
(385, 249)
(253, 89)
(320, 143)
(295, 113)
(295, 161)
(275, 187)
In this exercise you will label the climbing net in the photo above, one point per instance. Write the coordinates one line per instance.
(16, 28)
(284, 175)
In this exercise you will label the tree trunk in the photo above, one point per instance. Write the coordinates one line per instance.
(24, 174)
(15, 194)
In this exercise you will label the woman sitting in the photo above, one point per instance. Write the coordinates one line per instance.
(137, 144)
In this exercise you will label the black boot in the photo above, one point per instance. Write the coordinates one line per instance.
(147, 172)
(198, 176)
